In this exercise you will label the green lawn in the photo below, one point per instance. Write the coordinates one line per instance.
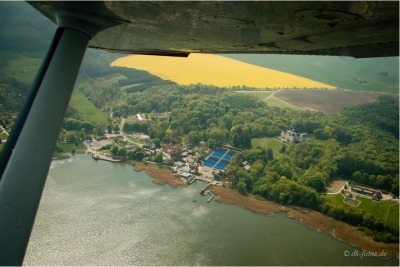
(3, 136)
(380, 209)
(131, 119)
(66, 148)
(267, 143)
(336, 199)
(260, 94)
(87, 109)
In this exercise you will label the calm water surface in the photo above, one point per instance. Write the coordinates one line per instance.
(101, 213)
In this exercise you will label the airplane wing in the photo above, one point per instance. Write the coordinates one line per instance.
(359, 29)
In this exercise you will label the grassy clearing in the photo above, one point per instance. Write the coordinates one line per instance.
(131, 119)
(380, 209)
(215, 70)
(267, 143)
(66, 148)
(336, 199)
(276, 102)
(393, 216)
(260, 94)
(87, 109)
(3, 136)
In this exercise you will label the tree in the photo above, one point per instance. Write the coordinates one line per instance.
(114, 150)
(122, 152)
(109, 128)
(170, 161)
(241, 186)
(270, 154)
(158, 157)
(314, 179)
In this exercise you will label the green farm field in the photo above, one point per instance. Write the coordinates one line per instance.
(336, 71)
(87, 109)
(267, 143)
(21, 67)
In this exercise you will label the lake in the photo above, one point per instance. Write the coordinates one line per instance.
(102, 213)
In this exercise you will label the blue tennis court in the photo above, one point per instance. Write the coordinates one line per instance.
(218, 160)
(221, 150)
(231, 153)
(220, 166)
(227, 157)
(209, 163)
(218, 155)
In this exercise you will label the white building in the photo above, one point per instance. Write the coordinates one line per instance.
(292, 136)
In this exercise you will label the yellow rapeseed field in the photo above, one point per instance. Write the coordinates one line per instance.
(215, 70)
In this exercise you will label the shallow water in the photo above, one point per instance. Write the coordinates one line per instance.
(102, 213)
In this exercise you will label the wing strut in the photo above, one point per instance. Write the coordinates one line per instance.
(29, 160)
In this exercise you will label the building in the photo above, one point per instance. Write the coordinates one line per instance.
(185, 169)
(140, 117)
(375, 194)
(179, 164)
(170, 150)
(129, 146)
(185, 174)
(292, 136)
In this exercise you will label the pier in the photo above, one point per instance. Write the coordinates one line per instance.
(203, 190)
(106, 158)
(191, 180)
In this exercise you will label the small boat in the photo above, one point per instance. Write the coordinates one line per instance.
(95, 156)
(194, 200)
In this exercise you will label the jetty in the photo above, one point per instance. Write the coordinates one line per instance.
(203, 190)
(211, 198)
(191, 180)
(106, 158)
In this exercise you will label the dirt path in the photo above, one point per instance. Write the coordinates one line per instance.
(321, 222)
(271, 95)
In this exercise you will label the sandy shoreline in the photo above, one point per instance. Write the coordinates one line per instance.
(317, 220)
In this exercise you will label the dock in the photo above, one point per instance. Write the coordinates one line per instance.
(191, 180)
(105, 158)
(203, 190)
(211, 198)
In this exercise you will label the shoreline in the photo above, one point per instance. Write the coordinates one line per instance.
(322, 223)
(160, 176)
